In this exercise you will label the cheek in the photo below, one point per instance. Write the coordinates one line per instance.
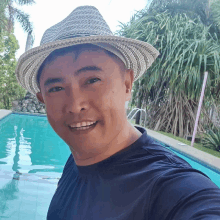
(110, 99)
(117, 94)
(54, 114)
(53, 119)
(54, 105)
(57, 125)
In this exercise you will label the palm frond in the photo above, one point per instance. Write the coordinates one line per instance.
(3, 17)
(215, 8)
(24, 2)
(23, 19)
(187, 49)
(8, 13)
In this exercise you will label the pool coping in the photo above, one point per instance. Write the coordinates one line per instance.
(4, 113)
(204, 158)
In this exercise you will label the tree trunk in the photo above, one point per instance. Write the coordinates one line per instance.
(177, 115)
(139, 113)
(28, 42)
(137, 121)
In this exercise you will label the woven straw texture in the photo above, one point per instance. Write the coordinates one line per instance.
(85, 25)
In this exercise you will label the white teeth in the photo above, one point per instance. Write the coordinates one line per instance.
(78, 125)
(82, 125)
(82, 128)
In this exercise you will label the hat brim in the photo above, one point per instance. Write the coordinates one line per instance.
(137, 55)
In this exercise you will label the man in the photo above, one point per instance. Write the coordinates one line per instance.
(84, 75)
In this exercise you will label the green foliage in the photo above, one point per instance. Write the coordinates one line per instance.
(10, 90)
(24, 2)
(192, 8)
(188, 41)
(187, 50)
(3, 18)
(23, 19)
(212, 140)
(215, 8)
(9, 12)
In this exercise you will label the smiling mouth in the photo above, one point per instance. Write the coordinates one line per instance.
(83, 127)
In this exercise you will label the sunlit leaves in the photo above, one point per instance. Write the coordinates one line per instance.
(187, 51)
(24, 2)
(171, 88)
(215, 8)
(9, 13)
(9, 87)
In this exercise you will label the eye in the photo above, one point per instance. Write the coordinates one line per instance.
(55, 89)
(93, 80)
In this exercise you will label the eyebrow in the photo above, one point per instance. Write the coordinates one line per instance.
(88, 68)
(50, 81)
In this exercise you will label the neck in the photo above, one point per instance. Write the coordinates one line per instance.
(124, 139)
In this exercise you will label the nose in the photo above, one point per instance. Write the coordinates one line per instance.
(76, 101)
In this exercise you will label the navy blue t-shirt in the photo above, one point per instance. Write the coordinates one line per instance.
(144, 181)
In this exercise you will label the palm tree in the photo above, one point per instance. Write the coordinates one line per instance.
(192, 8)
(215, 9)
(9, 13)
(199, 7)
(171, 88)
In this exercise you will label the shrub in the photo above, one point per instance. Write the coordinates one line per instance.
(212, 140)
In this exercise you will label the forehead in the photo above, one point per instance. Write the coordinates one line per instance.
(75, 50)
(72, 65)
(77, 59)
(91, 53)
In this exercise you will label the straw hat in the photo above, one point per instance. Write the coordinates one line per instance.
(85, 25)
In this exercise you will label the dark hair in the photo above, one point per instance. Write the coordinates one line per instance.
(76, 49)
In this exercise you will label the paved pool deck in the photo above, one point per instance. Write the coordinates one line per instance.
(4, 113)
(204, 158)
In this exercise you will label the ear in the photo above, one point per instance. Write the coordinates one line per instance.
(40, 97)
(129, 79)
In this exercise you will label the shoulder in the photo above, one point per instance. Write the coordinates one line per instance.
(154, 151)
(187, 192)
(69, 161)
(70, 164)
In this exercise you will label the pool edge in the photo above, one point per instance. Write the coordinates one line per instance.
(204, 158)
(4, 113)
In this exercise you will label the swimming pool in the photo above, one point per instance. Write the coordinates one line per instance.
(32, 157)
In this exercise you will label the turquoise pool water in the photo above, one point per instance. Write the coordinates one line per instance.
(32, 157)
(214, 176)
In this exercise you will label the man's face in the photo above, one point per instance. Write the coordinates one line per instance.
(89, 89)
